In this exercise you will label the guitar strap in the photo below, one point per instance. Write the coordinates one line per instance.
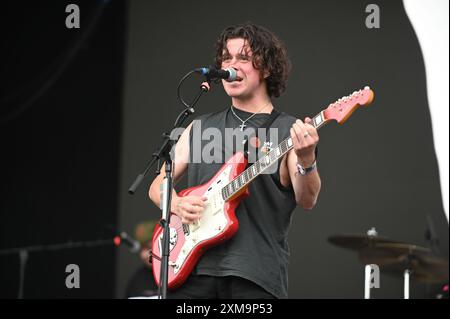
(265, 125)
(273, 116)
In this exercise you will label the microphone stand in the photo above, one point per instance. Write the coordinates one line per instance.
(163, 154)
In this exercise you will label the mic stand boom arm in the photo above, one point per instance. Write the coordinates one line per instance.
(163, 154)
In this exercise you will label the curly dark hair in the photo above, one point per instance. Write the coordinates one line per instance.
(269, 54)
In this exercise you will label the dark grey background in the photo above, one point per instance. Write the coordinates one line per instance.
(378, 170)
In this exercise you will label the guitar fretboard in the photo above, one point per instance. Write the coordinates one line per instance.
(242, 180)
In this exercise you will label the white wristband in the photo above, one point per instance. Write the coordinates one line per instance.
(304, 171)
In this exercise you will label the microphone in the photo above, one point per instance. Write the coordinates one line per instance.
(229, 74)
(126, 239)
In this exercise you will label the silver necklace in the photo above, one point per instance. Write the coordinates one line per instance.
(242, 126)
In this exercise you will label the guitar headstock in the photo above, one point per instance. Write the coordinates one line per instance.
(345, 106)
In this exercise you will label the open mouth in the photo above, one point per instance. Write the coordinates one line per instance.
(236, 82)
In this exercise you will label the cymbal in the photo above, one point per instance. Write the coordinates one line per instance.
(357, 241)
(424, 268)
(404, 249)
(394, 257)
(391, 253)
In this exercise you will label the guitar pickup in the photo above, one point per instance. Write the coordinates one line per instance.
(196, 225)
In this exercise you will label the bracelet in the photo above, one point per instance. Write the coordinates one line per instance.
(304, 171)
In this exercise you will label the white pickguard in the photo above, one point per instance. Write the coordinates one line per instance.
(212, 222)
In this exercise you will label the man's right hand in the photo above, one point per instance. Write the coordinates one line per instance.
(188, 208)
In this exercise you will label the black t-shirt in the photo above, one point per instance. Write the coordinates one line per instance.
(259, 251)
(142, 284)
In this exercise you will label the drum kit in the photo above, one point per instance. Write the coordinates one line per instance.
(414, 263)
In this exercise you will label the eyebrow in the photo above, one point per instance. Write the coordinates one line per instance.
(245, 50)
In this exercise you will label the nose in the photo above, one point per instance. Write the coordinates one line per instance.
(233, 64)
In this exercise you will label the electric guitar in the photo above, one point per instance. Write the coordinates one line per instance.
(224, 192)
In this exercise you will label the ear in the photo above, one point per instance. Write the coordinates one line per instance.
(266, 74)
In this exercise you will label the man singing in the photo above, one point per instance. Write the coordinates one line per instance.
(254, 262)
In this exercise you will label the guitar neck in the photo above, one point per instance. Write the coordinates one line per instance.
(246, 177)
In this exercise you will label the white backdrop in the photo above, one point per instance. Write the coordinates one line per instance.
(430, 22)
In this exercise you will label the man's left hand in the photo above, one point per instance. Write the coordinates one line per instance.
(305, 138)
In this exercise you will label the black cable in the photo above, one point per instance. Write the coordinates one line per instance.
(56, 247)
(179, 88)
(189, 108)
